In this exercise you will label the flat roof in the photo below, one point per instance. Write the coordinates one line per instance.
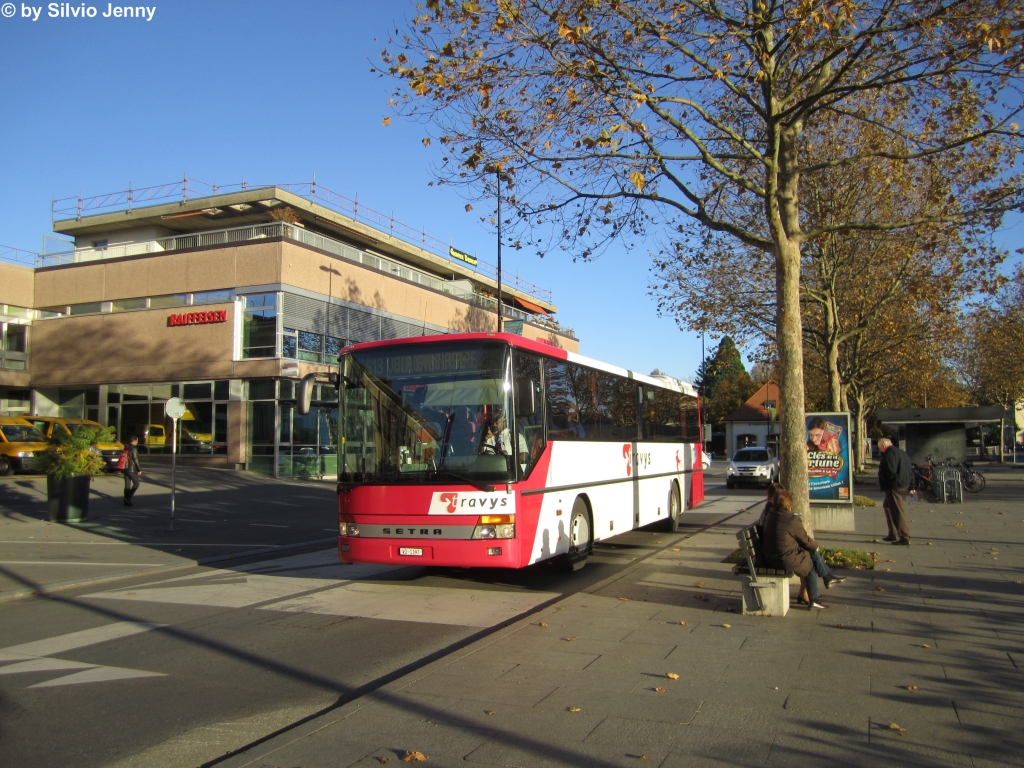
(973, 415)
(253, 206)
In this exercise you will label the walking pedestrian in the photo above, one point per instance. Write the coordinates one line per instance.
(894, 478)
(132, 471)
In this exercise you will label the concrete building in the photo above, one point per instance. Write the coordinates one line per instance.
(226, 300)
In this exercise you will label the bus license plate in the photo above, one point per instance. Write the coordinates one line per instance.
(410, 551)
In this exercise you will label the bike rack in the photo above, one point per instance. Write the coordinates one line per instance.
(949, 481)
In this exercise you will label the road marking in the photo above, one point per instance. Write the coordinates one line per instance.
(431, 605)
(221, 589)
(268, 525)
(98, 675)
(76, 562)
(135, 544)
(43, 665)
(73, 640)
(34, 656)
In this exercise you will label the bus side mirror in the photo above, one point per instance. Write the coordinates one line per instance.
(305, 394)
(525, 398)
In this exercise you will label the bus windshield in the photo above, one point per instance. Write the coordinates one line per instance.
(425, 412)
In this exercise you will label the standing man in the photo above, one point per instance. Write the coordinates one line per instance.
(894, 478)
(132, 471)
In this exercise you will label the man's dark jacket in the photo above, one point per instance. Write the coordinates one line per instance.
(786, 543)
(894, 471)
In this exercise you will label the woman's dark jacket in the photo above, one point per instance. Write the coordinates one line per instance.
(786, 543)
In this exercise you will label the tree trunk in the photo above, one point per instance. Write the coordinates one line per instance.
(789, 326)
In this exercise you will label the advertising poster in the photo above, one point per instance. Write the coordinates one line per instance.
(828, 458)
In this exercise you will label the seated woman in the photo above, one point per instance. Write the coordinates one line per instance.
(787, 545)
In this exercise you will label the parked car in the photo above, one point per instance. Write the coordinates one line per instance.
(758, 466)
(19, 444)
(110, 451)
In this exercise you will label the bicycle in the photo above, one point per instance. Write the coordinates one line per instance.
(973, 481)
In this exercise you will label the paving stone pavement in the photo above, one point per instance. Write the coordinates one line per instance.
(918, 662)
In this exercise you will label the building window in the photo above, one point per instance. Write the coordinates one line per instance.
(100, 245)
(92, 308)
(311, 346)
(126, 305)
(212, 297)
(259, 326)
(746, 441)
(15, 346)
(175, 300)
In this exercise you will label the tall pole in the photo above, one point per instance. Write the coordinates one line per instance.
(498, 176)
(174, 464)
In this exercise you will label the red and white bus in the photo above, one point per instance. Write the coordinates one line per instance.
(493, 450)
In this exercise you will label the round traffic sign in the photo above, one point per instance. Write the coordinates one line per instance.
(175, 408)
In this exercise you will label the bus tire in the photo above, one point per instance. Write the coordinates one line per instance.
(581, 536)
(675, 504)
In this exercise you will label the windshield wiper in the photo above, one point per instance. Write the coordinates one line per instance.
(468, 480)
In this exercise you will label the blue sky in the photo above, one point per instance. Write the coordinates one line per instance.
(270, 92)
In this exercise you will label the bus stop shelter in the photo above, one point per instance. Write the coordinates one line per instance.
(942, 432)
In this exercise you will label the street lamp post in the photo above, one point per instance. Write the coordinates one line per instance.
(497, 174)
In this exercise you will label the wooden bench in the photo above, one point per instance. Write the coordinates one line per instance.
(765, 590)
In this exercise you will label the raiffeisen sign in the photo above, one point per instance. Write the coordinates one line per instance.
(199, 318)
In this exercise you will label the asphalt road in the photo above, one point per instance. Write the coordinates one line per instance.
(178, 667)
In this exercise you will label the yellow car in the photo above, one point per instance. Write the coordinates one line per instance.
(20, 441)
(111, 451)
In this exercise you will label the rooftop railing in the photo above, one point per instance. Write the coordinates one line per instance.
(334, 247)
(186, 189)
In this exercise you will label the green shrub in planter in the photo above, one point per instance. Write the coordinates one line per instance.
(69, 462)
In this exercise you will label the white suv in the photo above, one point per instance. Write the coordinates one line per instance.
(752, 465)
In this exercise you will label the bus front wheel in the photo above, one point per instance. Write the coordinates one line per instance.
(581, 538)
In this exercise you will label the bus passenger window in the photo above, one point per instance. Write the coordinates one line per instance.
(529, 438)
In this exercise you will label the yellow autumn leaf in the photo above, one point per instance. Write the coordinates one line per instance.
(572, 709)
(414, 757)
(671, 675)
(638, 180)
(660, 690)
(426, 142)
(386, 121)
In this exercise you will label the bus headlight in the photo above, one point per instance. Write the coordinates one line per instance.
(495, 527)
(26, 455)
(348, 529)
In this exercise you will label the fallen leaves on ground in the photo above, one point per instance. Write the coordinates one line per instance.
(542, 624)
(702, 598)
(383, 760)
(671, 675)
(625, 599)
(929, 543)
(676, 549)
(726, 626)
(840, 626)
(957, 525)
(488, 711)
(641, 757)
(700, 585)
(910, 687)
(414, 757)
(897, 729)
(570, 639)
(925, 645)
(879, 589)
(572, 709)
(683, 623)
(660, 690)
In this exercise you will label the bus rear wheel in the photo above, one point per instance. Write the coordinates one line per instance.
(675, 504)
(581, 537)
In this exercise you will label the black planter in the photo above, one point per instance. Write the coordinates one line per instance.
(68, 498)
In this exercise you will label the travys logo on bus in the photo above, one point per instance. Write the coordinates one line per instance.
(469, 503)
